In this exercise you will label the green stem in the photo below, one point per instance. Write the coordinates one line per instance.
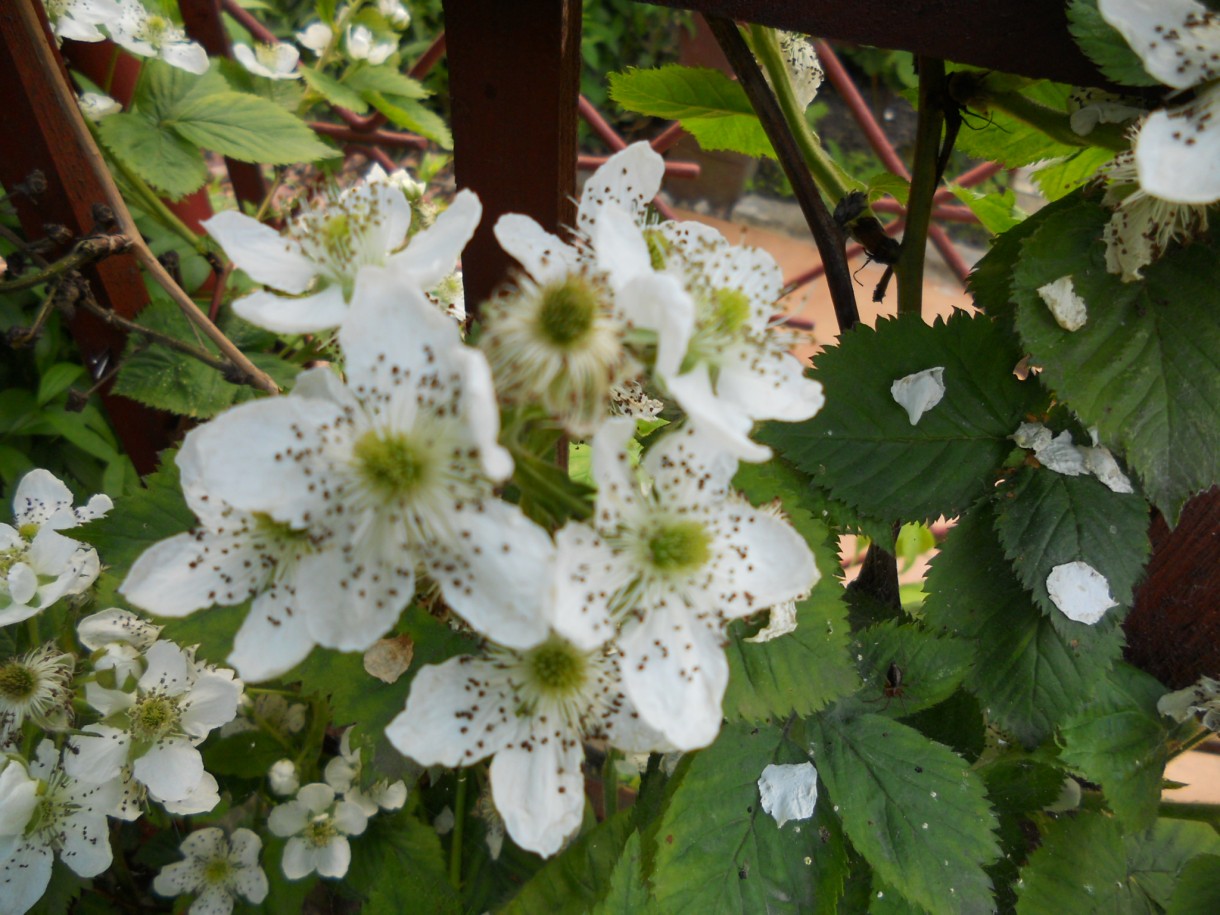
(609, 786)
(459, 822)
(1180, 810)
(1055, 124)
(82, 253)
(923, 185)
(830, 179)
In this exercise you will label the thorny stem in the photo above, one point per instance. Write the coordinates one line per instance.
(827, 235)
(86, 250)
(271, 192)
(156, 206)
(27, 335)
(924, 179)
(459, 823)
(1055, 124)
(1181, 810)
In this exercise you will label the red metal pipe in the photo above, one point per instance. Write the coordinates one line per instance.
(666, 139)
(386, 137)
(943, 213)
(672, 169)
(248, 22)
(599, 124)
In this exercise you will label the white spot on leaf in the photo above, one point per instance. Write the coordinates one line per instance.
(1080, 592)
(920, 392)
(789, 792)
(1067, 307)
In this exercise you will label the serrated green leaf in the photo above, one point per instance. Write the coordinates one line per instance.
(1079, 867)
(1198, 888)
(884, 183)
(1145, 368)
(1119, 742)
(385, 80)
(915, 810)
(804, 670)
(1157, 856)
(408, 113)
(159, 156)
(996, 211)
(249, 754)
(1026, 675)
(246, 128)
(400, 867)
(1058, 179)
(1105, 46)
(712, 107)
(628, 893)
(862, 446)
(929, 668)
(161, 88)
(718, 851)
(1045, 519)
(334, 91)
(575, 880)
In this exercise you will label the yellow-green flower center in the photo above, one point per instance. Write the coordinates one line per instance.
(278, 531)
(730, 310)
(558, 668)
(391, 464)
(28, 531)
(680, 546)
(153, 717)
(567, 313)
(319, 832)
(217, 871)
(658, 248)
(17, 682)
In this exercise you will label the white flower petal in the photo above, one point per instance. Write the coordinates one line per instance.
(97, 755)
(41, 498)
(689, 468)
(186, 55)
(1061, 456)
(179, 877)
(272, 640)
(621, 249)
(771, 563)
(728, 429)
(191, 571)
(25, 875)
(544, 256)
(350, 818)
(298, 860)
(658, 302)
(212, 702)
(171, 770)
(332, 859)
(770, 387)
(618, 493)
(18, 797)
(1177, 40)
(1100, 462)
(587, 572)
(481, 413)
(452, 717)
(1080, 591)
(789, 792)
(540, 793)
(675, 672)
(628, 180)
(1177, 152)
(432, 254)
(1066, 305)
(919, 392)
(307, 314)
(266, 256)
(349, 608)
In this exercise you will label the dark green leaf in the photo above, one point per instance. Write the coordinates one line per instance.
(249, 754)
(1079, 867)
(1025, 674)
(159, 156)
(1045, 519)
(862, 446)
(1145, 368)
(575, 880)
(247, 128)
(1157, 856)
(804, 670)
(1119, 742)
(399, 865)
(1198, 888)
(915, 811)
(718, 851)
(1105, 46)
(628, 894)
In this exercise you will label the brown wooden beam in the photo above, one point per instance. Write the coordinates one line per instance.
(1027, 37)
(35, 134)
(514, 77)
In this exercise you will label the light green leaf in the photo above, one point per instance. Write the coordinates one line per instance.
(1079, 867)
(804, 670)
(385, 80)
(914, 809)
(162, 89)
(1198, 888)
(408, 113)
(1145, 368)
(884, 183)
(1058, 179)
(57, 379)
(1000, 137)
(711, 106)
(862, 446)
(1157, 856)
(1119, 742)
(1026, 674)
(1105, 46)
(718, 851)
(1045, 519)
(996, 211)
(572, 882)
(334, 91)
(159, 156)
(247, 128)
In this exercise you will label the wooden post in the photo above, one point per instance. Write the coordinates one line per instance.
(514, 76)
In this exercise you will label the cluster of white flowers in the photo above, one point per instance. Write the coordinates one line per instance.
(326, 505)
(1160, 190)
(131, 26)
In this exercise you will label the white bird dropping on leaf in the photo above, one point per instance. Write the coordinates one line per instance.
(1067, 307)
(920, 392)
(789, 792)
(1080, 591)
